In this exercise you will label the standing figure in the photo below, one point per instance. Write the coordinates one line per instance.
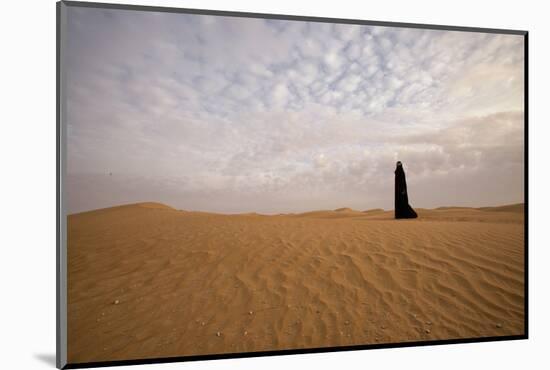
(402, 207)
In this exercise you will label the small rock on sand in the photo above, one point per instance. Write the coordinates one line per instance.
(218, 334)
(250, 312)
(427, 331)
(499, 325)
(116, 301)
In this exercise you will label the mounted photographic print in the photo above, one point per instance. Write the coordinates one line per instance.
(235, 184)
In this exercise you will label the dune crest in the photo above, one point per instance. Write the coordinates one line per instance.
(153, 205)
(519, 208)
(373, 210)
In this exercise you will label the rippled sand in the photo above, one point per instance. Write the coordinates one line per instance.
(149, 281)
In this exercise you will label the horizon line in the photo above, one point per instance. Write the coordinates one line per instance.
(160, 205)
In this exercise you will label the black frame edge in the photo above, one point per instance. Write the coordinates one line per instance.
(61, 278)
(57, 210)
(227, 13)
(526, 182)
(221, 356)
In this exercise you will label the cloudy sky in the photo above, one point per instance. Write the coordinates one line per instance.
(233, 115)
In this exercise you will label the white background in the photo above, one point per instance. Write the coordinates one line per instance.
(27, 168)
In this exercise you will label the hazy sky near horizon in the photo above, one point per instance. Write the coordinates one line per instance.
(231, 115)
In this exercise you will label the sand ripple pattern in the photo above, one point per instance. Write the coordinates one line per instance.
(149, 281)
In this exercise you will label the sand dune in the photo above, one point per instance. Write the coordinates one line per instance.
(373, 210)
(509, 208)
(147, 280)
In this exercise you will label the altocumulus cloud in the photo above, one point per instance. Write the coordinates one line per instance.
(234, 114)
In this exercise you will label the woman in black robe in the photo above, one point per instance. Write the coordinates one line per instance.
(402, 207)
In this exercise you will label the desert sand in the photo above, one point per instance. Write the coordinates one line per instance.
(149, 281)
